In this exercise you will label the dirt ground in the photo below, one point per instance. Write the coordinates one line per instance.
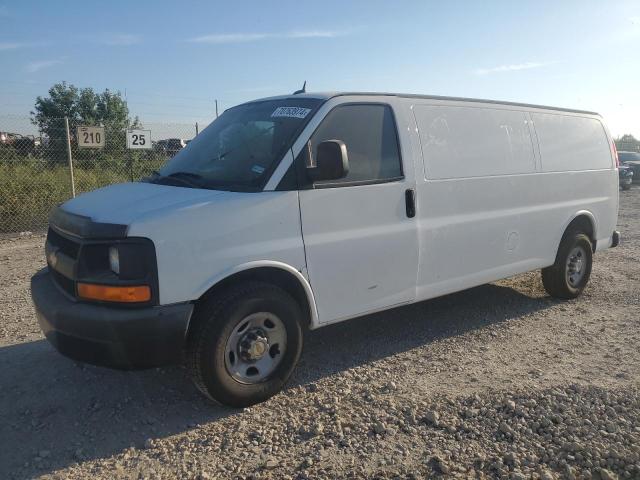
(497, 381)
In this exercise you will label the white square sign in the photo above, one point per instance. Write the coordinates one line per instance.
(91, 137)
(139, 139)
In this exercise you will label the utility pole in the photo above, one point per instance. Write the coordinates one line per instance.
(216, 108)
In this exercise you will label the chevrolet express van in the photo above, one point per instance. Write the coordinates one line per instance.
(299, 211)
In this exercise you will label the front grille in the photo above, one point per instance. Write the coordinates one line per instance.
(63, 282)
(69, 248)
(66, 246)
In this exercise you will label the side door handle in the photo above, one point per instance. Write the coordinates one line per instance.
(410, 202)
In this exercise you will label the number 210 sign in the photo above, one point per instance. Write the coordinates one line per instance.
(139, 139)
(90, 137)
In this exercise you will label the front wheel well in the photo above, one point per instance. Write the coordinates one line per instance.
(272, 275)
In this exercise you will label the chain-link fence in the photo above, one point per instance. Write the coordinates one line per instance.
(39, 170)
(628, 144)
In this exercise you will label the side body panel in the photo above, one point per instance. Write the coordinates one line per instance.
(576, 161)
(477, 224)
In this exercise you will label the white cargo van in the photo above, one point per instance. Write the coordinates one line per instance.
(299, 211)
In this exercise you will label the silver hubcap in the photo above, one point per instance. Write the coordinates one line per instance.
(576, 266)
(255, 347)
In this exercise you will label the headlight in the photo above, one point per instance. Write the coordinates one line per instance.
(114, 260)
(123, 270)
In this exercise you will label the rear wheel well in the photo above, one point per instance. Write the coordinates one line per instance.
(584, 224)
(272, 275)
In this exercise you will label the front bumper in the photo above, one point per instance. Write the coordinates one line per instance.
(123, 338)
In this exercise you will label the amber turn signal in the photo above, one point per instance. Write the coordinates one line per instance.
(110, 293)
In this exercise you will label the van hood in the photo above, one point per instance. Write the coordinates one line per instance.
(126, 202)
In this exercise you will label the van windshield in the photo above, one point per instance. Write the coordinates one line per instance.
(241, 148)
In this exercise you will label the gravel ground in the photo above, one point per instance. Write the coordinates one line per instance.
(497, 381)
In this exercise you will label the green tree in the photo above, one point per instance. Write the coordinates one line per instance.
(82, 107)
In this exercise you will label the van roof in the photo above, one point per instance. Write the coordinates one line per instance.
(328, 95)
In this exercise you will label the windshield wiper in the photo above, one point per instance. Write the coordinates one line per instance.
(186, 178)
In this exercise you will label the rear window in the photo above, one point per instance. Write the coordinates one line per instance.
(569, 143)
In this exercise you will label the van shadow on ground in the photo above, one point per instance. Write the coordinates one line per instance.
(65, 412)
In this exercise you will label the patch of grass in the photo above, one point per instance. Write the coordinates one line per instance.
(30, 187)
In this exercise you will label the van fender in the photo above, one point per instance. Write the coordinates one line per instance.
(567, 222)
(587, 214)
(270, 264)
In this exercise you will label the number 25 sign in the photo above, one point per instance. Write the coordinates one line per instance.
(91, 137)
(139, 139)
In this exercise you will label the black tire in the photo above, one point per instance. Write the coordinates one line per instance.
(213, 323)
(556, 279)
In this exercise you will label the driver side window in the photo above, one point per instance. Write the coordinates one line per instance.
(369, 132)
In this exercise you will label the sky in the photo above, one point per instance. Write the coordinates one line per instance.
(173, 59)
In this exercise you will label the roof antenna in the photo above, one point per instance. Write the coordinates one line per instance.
(302, 90)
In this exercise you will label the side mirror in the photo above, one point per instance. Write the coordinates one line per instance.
(331, 162)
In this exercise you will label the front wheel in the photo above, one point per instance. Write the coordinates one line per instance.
(569, 275)
(245, 343)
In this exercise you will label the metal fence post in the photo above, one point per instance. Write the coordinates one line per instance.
(197, 129)
(69, 158)
(130, 152)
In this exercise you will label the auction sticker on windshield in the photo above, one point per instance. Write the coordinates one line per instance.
(291, 112)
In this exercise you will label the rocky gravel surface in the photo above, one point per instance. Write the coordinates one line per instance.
(499, 381)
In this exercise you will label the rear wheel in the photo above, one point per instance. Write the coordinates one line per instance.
(245, 343)
(570, 273)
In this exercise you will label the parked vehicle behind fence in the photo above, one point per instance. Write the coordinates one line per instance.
(631, 160)
(26, 144)
(8, 138)
(22, 144)
(170, 146)
(300, 211)
(626, 175)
